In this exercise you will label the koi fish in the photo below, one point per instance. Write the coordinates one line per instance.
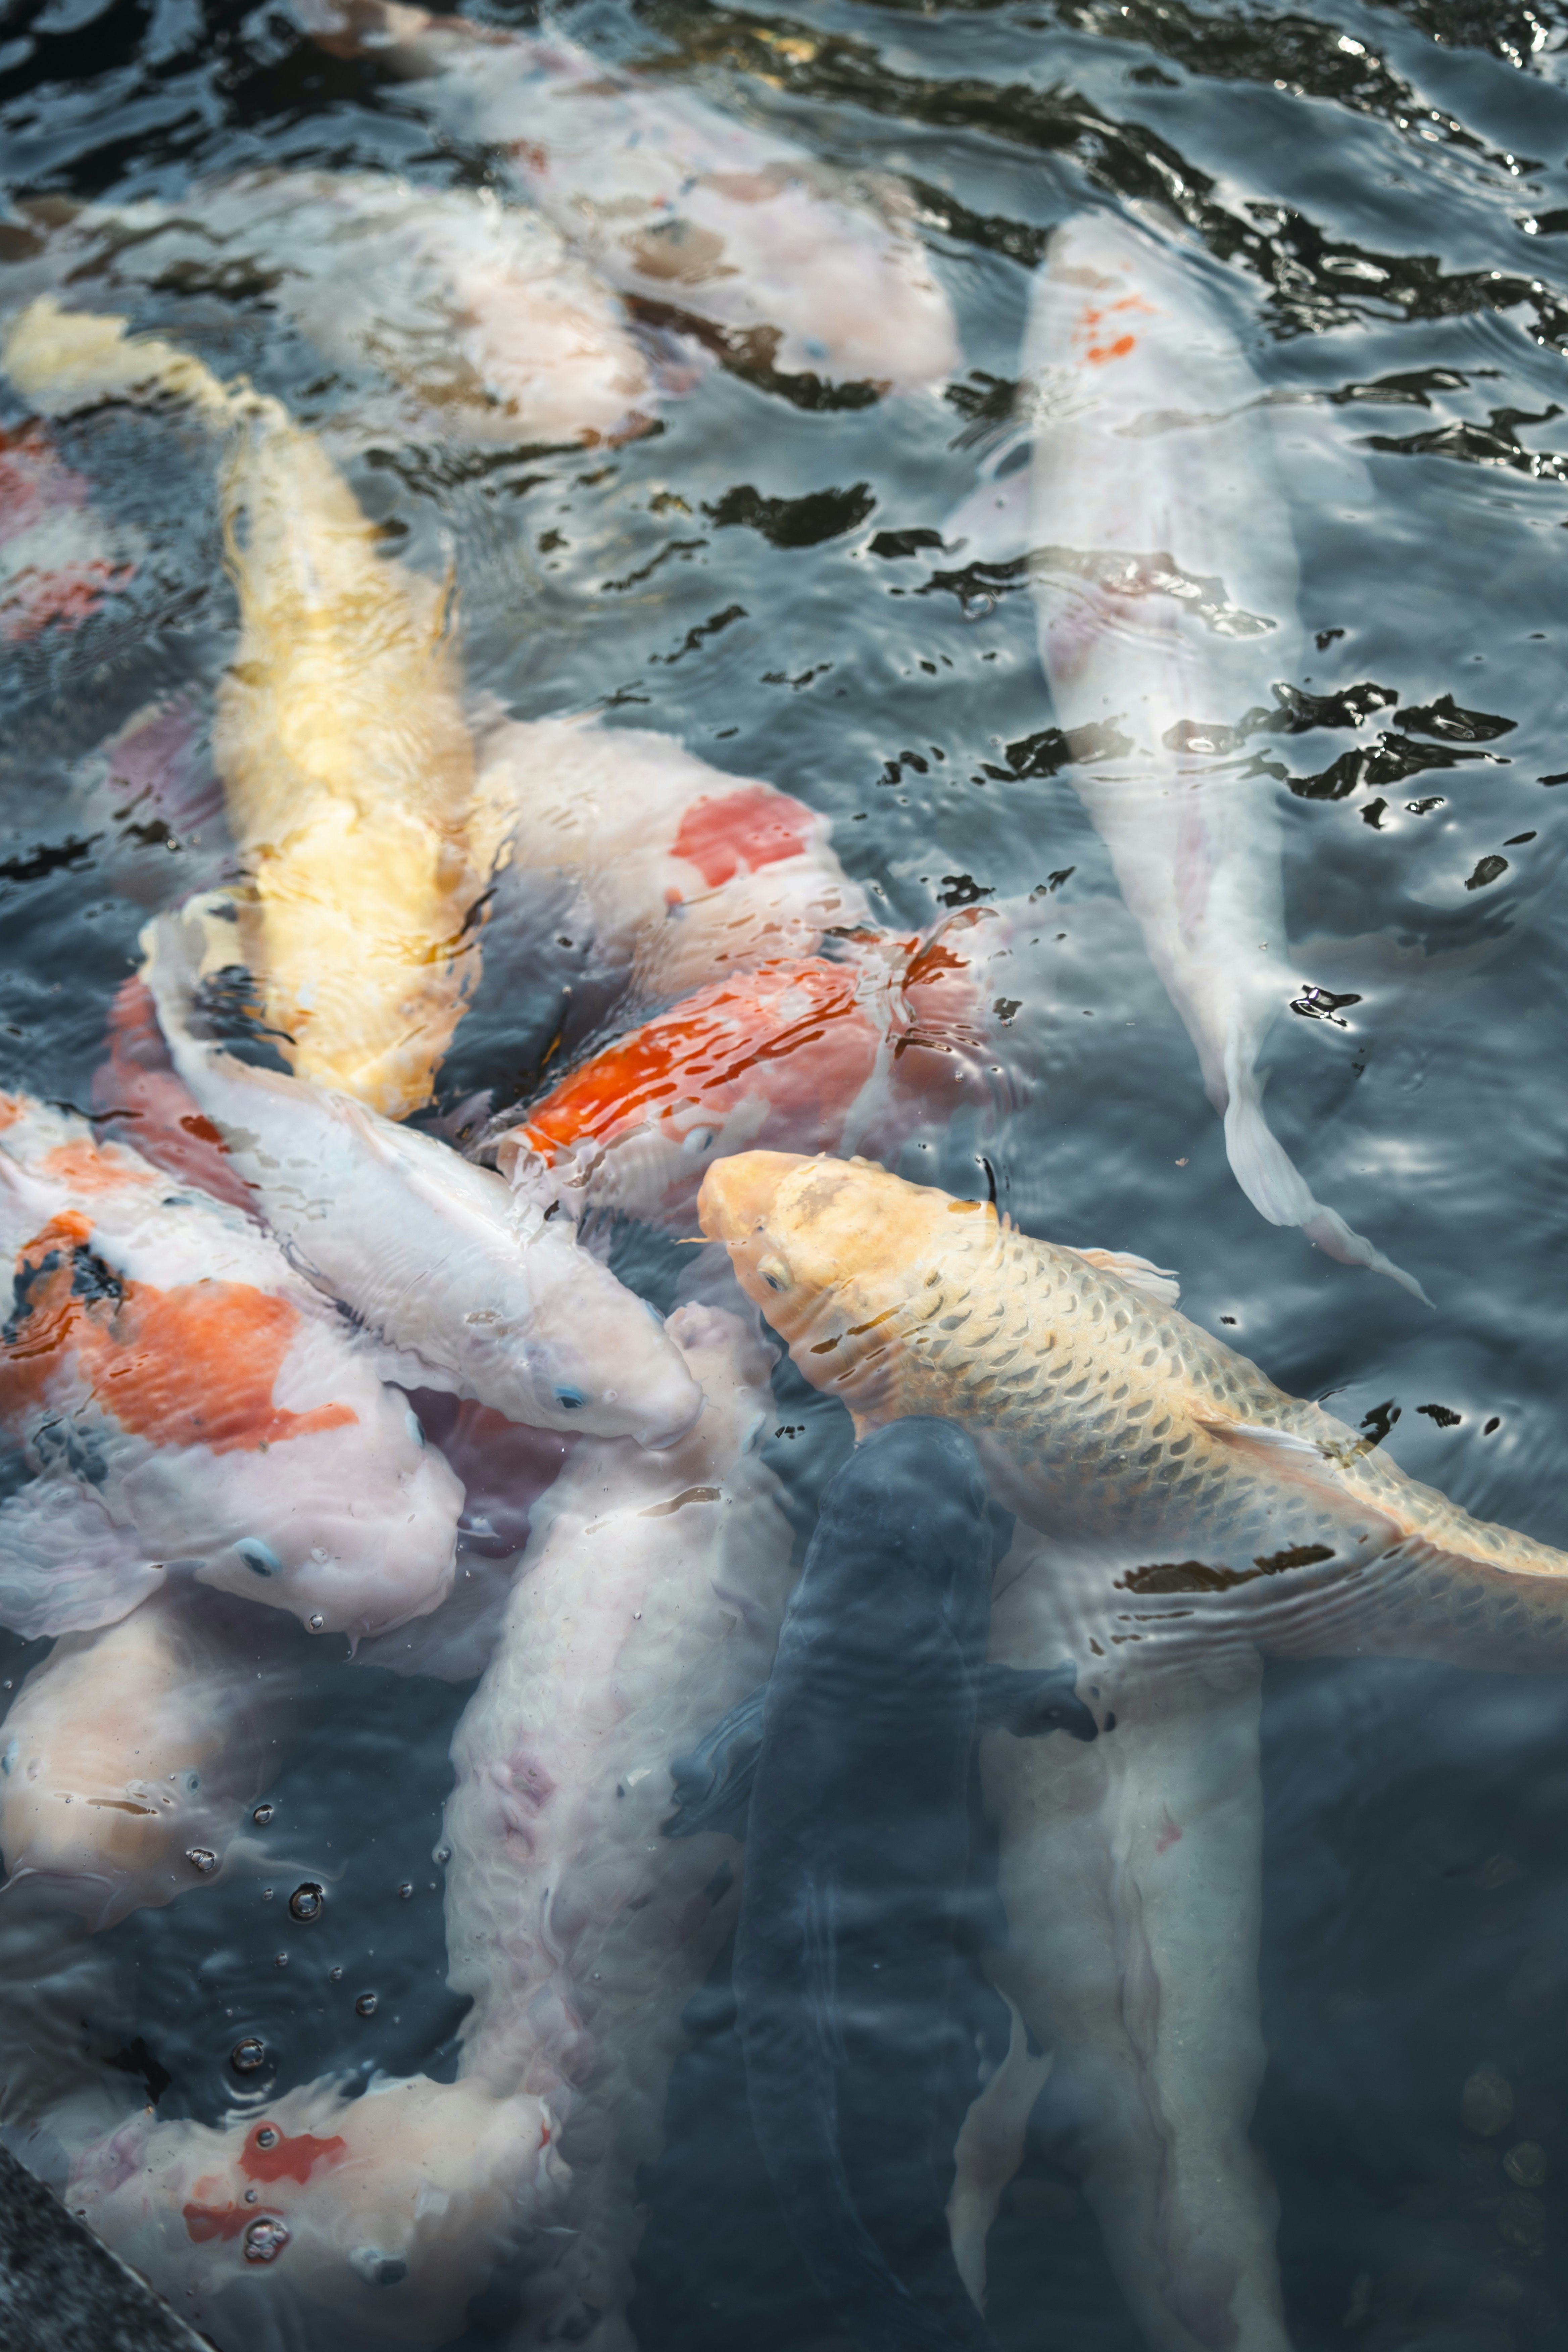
(339, 735)
(649, 1599)
(59, 560)
(129, 1756)
(389, 2210)
(465, 1287)
(675, 872)
(857, 1853)
(786, 1053)
(802, 271)
(1166, 1467)
(185, 1398)
(1165, 578)
(1132, 1878)
(493, 331)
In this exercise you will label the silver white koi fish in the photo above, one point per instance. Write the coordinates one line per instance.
(1165, 581)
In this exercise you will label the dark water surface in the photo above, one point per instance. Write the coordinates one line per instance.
(1390, 184)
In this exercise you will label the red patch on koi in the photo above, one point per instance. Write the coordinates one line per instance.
(750, 828)
(286, 2158)
(191, 1366)
(1167, 1835)
(789, 1031)
(204, 2222)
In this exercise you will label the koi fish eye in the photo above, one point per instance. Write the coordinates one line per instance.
(775, 1273)
(654, 1312)
(259, 1556)
(377, 2269)
(697, 1140)
(8, 1761)
(570, 1399)
(415, 1431)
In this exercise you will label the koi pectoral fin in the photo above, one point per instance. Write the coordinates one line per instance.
(713, 1781)
(1030, 1703)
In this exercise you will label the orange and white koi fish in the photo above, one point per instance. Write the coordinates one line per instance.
(464, 1286)
(801, 271)
(790, 1055)
(130, 1757)
(649, 1602)
(488, 328)
(388, 2210)
(59, 559)
(1165, 578)
(675, 872)
(340, 737)
(185, 1398)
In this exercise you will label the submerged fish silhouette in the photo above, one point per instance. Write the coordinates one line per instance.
(670, 199)
(1155, 1457)
(347, 767)
(857, 1856)
(1165, 574)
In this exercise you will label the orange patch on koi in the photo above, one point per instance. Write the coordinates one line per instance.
(718, 1043)
(86, 1167)
(191, 1366)
(204, 2222)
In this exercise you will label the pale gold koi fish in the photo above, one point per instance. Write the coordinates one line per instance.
(347, 767)
(1143, 1447)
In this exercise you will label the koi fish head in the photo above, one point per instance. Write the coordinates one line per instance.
(826, 1248)
(581, 1353)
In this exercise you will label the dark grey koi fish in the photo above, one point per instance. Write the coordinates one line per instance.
(857, 1853)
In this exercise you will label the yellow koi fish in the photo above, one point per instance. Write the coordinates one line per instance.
(1146, 1450)
(347, 767)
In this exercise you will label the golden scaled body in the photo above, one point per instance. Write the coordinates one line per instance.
(1150, 1455)
(347, 766)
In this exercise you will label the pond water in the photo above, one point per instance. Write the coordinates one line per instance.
(1383, 192)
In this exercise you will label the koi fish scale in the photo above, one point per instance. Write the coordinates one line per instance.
(161, 1363)
(1170, 1468)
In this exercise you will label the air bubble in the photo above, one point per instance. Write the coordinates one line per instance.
(201, 1858)
(247, 2054)
(335, 1976)
(261, 1816)
(365, 2005)
(406, 1890)
(307, 1900)
(442, 1856)
(268, 2136)
(264, 2241)
(316, 1621)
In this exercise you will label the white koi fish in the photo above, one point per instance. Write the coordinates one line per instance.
(678, 872)
(470, 1288)
(1165, 574)
(129, 1756)
(493, 331)
(186, 1399)
(649, 1602)
(388, 2210)
(805, 273)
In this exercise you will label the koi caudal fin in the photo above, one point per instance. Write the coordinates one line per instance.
(1277, 1189)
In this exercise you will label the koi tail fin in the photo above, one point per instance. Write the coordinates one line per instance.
(1277, 1189)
